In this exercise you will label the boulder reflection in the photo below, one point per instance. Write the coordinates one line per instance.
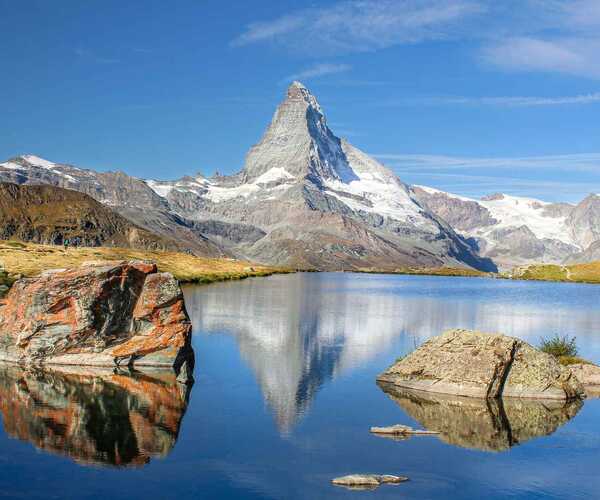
(94, 416)
(489, 425)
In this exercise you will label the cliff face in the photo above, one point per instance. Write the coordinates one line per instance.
(102, 315)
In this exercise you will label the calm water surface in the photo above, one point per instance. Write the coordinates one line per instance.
(285, 394)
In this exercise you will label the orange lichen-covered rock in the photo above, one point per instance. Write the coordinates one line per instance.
(99, 314)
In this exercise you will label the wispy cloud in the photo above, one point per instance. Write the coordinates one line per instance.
(363, 25)
(589, 162)
(576, 56)
(319, 70)
(525, 35)
(563, 37)
(93, 57)
(505, 101)
(545, 177)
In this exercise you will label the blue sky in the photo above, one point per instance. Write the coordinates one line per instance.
(464, 95)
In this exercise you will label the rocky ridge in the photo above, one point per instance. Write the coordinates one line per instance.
(514, 231)
(50, 215)
(308, 199)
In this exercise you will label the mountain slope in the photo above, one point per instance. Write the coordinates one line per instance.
(50, 215)
(510, 230)
(320, 201)
(306, 198)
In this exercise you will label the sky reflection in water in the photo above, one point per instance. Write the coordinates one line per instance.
(285, 394)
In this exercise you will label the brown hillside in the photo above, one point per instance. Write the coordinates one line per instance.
(49, 215)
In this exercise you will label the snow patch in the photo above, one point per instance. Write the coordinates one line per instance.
(160, 189)
(36, 161)
(11, 165)
(273, 175)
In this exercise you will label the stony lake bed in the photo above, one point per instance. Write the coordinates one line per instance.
(285, 396)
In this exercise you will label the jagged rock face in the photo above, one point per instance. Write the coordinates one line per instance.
(98, 315)
(297, 140)
(111, 188)
(320, 201)
(58, 411)
(584, 221)
(482, 365)
(509, 230)
(483, 424)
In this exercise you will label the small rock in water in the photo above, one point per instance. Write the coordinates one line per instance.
(400, 430)
(367, 481)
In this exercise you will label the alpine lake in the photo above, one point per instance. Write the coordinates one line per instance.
(285, 395)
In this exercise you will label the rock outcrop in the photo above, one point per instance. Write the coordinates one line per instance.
(483, 424)
(589, 375)
(95, 416)
(102, 314)
(482, 365)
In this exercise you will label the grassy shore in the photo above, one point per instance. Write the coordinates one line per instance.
(28, 259)
(428, 271)
(576, 273)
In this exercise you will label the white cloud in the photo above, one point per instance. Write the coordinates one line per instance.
(508, 101)
(589, 162)
(364, 25)
(318, 70)
(576, 56)
(532, 35)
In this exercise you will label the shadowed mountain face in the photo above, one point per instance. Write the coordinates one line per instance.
(483, 424)
(50, 215)
(96, 417)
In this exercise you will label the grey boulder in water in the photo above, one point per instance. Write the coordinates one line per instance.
(483, 365)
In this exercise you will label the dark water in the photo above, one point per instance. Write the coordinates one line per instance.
(285, 394)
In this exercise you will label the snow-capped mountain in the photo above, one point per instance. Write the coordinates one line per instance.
(513, 230)
(306, 198)
(320, 201)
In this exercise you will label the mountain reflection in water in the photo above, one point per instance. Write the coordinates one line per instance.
(489, 425)
(298, 332)
(94, 416)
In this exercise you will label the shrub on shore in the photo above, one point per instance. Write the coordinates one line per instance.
(564, 349)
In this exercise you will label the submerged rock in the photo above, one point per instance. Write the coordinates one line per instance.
(367, 481)
(483, 365)
(101, 314)
(402, 430)
(483, 424)
(95, 416)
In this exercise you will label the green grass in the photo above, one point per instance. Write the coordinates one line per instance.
(427, 271)
(559, 346)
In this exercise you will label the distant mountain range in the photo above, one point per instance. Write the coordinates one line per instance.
(307, 199)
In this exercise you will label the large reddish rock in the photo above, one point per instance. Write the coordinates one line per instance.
(98, 315)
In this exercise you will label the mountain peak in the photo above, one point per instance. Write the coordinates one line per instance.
(297, 92)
